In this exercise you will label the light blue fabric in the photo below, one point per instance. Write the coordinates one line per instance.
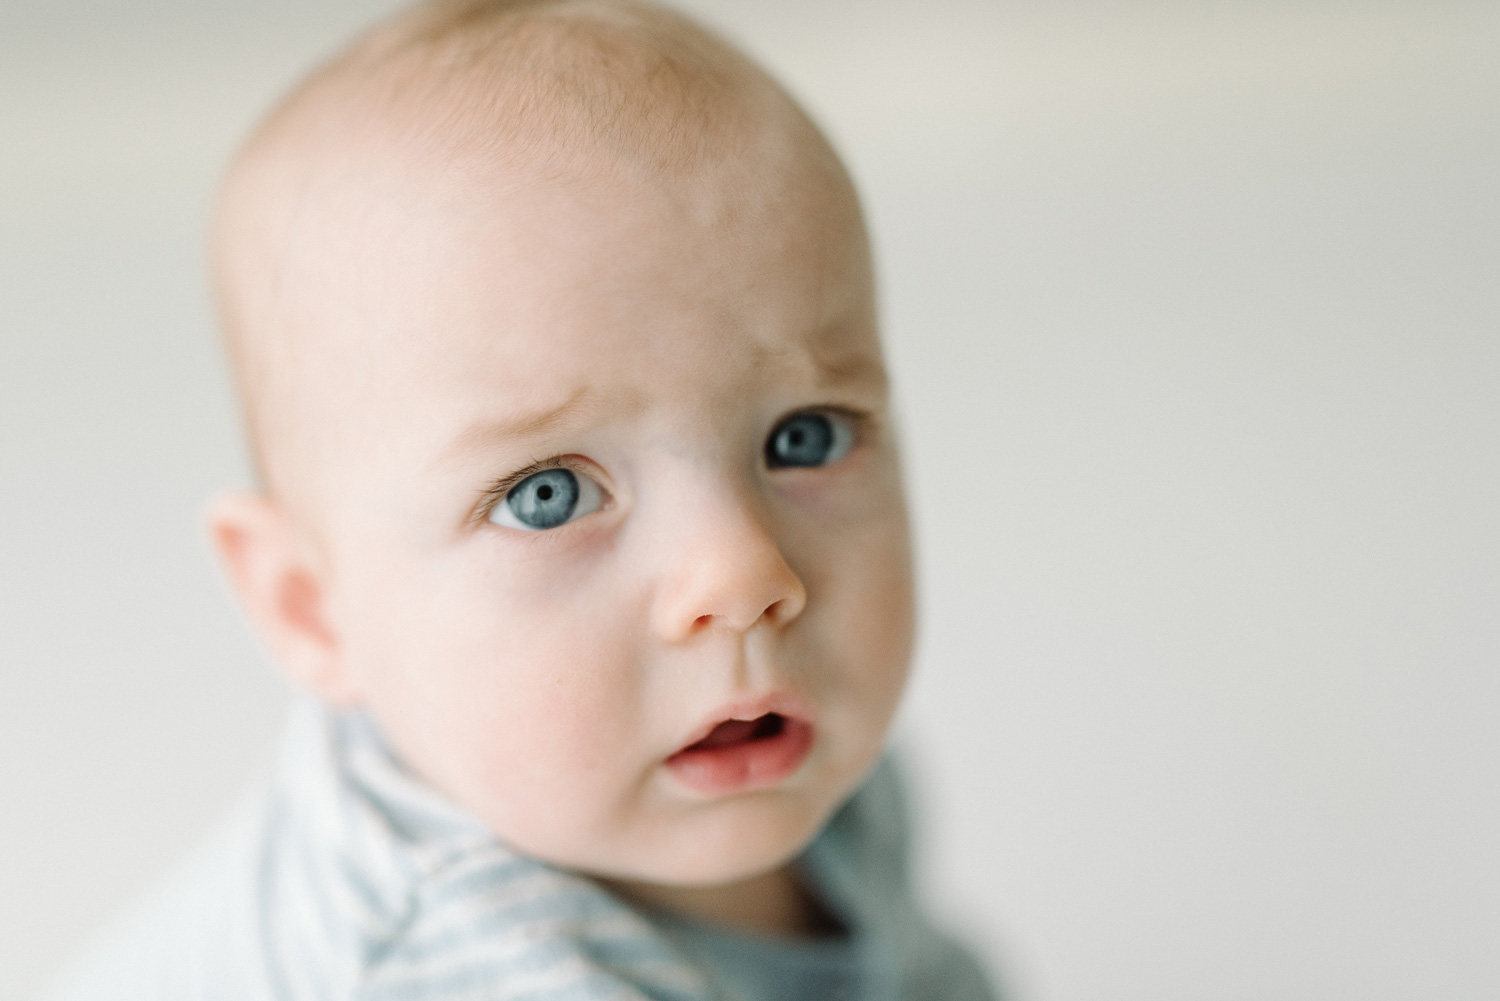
(343, 878)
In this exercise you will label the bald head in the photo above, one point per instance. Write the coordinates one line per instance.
(441, 102)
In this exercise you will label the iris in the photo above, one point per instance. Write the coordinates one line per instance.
(808, 439)
(545, 499)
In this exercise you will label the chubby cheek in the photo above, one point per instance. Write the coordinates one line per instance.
(864, 622)
(509, 698)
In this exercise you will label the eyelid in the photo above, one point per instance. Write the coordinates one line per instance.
(495, 493)
(859, 418)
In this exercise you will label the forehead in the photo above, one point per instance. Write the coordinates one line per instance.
(515, 296)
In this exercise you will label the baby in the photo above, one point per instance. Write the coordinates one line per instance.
(580, 517)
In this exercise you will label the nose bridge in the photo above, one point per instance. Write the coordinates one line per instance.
(721, 564)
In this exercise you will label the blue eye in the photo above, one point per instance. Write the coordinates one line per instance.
(809, 439)
(547, 499)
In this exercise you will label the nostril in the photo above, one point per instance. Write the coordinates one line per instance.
(703, 621)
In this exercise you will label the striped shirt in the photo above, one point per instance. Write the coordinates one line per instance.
(344, 878)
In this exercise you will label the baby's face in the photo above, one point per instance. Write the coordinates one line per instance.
(608, 466)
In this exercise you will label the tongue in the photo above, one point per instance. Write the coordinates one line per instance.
(731, 731)
(737, 731)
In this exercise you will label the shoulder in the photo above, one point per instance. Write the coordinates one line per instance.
(493, 925)
(343, 877)
(192, 935)
(862, 861)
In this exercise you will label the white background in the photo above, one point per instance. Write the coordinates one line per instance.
(1195, 311)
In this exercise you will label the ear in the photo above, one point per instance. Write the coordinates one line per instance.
(282, 587)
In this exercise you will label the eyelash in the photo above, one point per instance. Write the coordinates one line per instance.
(860, 422)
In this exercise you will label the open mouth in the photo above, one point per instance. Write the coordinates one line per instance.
(740, 731)
(738, 755)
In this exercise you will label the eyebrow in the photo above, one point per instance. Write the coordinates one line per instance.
(831, 363)
(528, 424)
(854, 368)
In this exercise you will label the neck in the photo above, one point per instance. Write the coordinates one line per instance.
(775, 903)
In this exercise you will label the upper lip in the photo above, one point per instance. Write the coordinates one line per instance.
(781, 703)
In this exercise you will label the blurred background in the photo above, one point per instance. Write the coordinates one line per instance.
(1195, 312)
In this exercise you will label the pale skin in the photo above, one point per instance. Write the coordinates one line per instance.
(647, 335)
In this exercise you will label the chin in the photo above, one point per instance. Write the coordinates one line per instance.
(729, 843)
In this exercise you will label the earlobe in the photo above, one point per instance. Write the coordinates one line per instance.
(282, 589)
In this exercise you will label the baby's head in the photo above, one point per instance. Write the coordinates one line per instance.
(555, 328)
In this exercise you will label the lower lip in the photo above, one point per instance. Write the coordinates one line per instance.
(753, 764)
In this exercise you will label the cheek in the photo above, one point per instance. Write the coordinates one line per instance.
(499, 689)
(883, 608)
(864, 594)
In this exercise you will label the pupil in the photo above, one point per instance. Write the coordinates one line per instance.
(544, 492)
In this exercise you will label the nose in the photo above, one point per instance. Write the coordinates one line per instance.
(724, 570)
